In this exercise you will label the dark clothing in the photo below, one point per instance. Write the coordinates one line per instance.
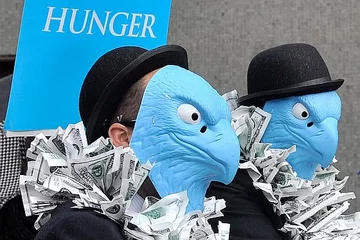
(14, 225)
(5, 84)
(68, 223)
(249, 213)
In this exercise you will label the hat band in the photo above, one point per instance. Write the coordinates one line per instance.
(311, 82)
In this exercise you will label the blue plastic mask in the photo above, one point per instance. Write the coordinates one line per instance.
(310, 122)
(183, 128)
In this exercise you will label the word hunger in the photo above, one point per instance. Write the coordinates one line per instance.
(118, 24)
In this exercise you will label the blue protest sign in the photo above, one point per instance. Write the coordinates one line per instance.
(58, 43)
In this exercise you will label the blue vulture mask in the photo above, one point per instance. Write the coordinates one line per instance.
(310, 122)
(183, 128)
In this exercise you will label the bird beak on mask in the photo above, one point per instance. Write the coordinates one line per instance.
(327, 140)
(223, 147)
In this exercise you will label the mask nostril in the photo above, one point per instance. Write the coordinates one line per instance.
(203, 129)
(310, 124)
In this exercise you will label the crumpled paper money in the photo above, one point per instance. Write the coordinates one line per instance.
(166, 219)
(106, 179)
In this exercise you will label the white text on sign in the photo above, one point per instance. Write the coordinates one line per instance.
(119, 24)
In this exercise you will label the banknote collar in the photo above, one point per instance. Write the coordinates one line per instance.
(297, 199)
(107, 180)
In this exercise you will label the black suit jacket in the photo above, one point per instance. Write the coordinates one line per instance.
(14, 225)
(249, 213)
(77, 224)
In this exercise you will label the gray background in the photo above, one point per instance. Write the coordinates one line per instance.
(221, 38)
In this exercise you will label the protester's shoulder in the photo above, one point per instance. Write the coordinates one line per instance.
(69, 223)
(249, 213)
(13, 222)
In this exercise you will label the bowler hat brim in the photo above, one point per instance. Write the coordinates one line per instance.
(105, 107)
(259, 98)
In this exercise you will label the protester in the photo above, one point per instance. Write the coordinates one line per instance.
(110, 100)
(296, 143)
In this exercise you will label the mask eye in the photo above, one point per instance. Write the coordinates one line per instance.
(189, 114)
(300, 111)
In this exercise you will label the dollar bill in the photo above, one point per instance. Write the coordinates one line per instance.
(191, 223)
(136, 234)
(213, 207)
(171, 209)
(342, 197)
(130, 186)
(46, 164)
(350, 221)
(324, 201)
(34, 202)
(224, 230)
(101, 145)
(94, 169)
(249, 124)
(166, 219)
(269, 173)
(63, 184)
(75, 141)
(56, 144)
(30, 167)
(338, 185)
(115, 208)
(231, 99)
(327, 217)
(322, 175)
(39, 145)
(293, 206)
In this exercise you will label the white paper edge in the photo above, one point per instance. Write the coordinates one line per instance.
(46, 132)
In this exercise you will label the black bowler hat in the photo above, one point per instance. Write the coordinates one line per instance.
(287, 70)
(112, 75)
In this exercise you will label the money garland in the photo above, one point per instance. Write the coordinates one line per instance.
(313, 209)
(106, 179)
